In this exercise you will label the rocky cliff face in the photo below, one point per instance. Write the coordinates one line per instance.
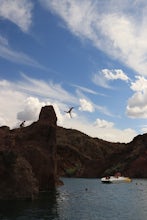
(137, 159)
(82, 156)
(28, 157)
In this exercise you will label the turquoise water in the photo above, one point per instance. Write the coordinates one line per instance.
(83, 199)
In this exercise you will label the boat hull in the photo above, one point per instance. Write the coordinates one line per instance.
(113, 179)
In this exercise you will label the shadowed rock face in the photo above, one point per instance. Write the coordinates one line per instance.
(17, 179)
(28, 157)
(82, 156)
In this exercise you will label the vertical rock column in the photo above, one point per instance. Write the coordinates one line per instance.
(48, 123)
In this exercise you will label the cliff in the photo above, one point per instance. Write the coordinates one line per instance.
(82, 156)
(32, 157)
(28, 157)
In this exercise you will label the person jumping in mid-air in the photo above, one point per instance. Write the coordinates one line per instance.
(69, 111)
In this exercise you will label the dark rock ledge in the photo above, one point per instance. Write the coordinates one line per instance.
(28, 158)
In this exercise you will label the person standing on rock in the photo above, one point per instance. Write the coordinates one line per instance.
(22, 124)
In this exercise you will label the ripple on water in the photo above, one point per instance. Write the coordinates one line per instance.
(100, 201)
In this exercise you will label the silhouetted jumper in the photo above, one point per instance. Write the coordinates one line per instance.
(69, 111)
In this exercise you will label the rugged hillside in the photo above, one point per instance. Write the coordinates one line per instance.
(82, 156)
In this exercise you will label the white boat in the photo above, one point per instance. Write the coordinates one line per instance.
(116, 179)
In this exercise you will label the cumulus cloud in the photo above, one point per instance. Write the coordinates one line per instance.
(101, 123)
(140, 84)
(137, 104)
(86, 105)
(31, 109)
(17, 11)
(11, 102)
(119, 32)
(103, 77)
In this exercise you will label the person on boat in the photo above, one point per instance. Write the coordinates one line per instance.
(117, 175)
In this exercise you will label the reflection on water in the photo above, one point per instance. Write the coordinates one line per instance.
(83, 199)
(43, 208)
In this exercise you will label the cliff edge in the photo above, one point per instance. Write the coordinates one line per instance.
(28, 157)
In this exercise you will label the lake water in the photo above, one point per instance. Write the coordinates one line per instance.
(83, 199)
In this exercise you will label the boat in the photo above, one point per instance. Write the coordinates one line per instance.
(117, 178)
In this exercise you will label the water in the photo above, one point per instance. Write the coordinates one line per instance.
(83, 199)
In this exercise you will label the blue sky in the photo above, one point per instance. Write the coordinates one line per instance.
(90, 54)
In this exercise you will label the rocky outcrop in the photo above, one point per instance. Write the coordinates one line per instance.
(28, 157)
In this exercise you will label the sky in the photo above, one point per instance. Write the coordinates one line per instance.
(86, 54)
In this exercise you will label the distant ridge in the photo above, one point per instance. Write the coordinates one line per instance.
(83, 156)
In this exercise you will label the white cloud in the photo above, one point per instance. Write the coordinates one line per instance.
(11, 101)
(46, 90)
(115, 74)
(86, 105)
(26, 97)
(17, 11)
(140, 84)
(119, 31)
(137, 104)
(31, 109)
(101, 123)
(87, 90)
(103, 77)
(78, 15)
(109, 133)
(90, 106)
(23, 100)
(100, 80)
